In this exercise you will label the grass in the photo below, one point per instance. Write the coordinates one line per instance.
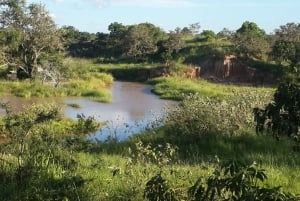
(114, 176)
(120, 171)
(177, 88)
(93, 89)
(81, 79)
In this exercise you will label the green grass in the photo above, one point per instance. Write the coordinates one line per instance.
(177, 88)
(113, 176)
(119, 171)
(82, 78)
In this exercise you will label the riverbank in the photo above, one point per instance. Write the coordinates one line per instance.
(211, 126)
(79, 79)
(177, 88)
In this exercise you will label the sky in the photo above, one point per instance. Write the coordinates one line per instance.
(95, 15)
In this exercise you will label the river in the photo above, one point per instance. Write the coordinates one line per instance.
(132, 110)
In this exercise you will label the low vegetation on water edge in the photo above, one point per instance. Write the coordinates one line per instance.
(206, 143)
(78, 80)
(177, 88)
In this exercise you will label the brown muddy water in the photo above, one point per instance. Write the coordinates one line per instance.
(133, 109)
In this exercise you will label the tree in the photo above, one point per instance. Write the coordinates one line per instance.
(102, 44)
(36, 31)
(250, 41)
(142, 39)
(69, 34)
(289, 32)
(286, 47)
(116, 38)
(225, 34)
(209, 35)
(194, 28)
(173, 44)
(281, 117)
(283, 51)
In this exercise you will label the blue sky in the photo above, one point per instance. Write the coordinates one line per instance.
(95, 15)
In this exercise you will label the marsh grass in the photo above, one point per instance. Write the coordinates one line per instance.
(177, 88)
(74, 105)
(93, 86)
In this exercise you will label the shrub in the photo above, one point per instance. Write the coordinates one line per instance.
(38, 162)
(234, 181)
(199, 116)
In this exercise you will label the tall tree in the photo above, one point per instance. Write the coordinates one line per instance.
(38, 35)
(173, 44)
(142, 39)
(289, 32)
(117, 33)
(286, 47)
(250, 41)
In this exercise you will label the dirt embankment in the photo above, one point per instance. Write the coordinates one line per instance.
(230, 69)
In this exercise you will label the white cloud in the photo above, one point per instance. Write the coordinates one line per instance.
(58, 1)
(144, 3)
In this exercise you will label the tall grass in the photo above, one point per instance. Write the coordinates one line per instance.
(177, 88)
(81, 78)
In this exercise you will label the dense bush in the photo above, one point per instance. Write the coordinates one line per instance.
(281, 117)
(199, 116)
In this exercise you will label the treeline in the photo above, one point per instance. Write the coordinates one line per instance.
(147, 41)
(277, 52)
(30, 40)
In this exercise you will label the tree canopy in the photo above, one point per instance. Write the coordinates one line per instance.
(28, 35)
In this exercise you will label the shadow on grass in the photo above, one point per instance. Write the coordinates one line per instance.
(194, 150)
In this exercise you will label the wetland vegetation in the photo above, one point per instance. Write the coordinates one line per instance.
(234, 134)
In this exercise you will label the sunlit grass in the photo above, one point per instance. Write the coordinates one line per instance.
(94, 85)
(177, 88)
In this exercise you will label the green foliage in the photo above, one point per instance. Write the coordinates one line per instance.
(86, 125)
(158, 190)
(37, 159)
(282, 116)
(177, 88)
(250, 41)
(159, 155)
(208, 35)
(235, 182)
(80, 79)
(200, 116)
(141, 40)
(29, 24)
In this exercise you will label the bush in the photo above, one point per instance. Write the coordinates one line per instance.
(281, 117)
(199, 116)
(37, 160)
(233, 181)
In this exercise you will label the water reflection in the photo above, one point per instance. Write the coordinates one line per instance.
(131, 110)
